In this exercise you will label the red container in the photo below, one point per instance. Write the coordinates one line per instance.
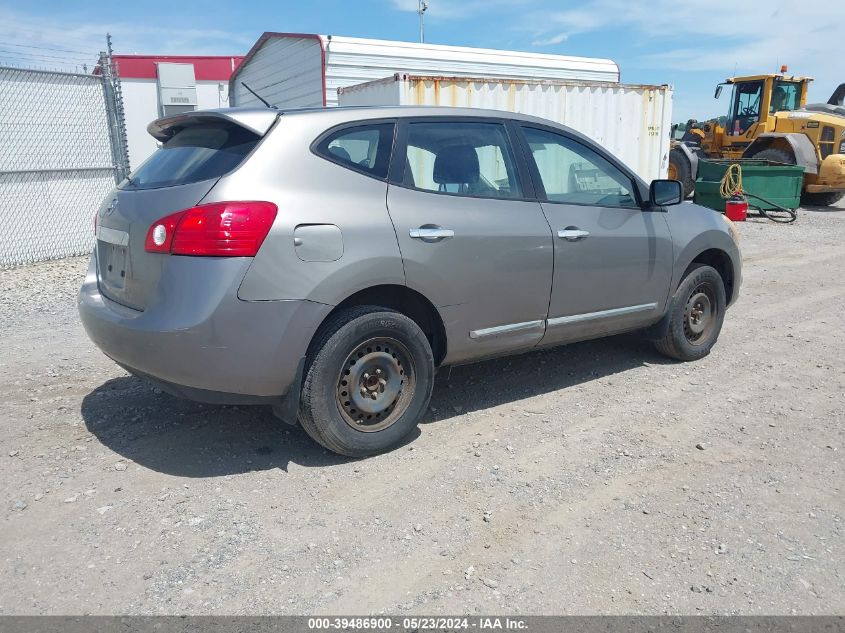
(736, 210)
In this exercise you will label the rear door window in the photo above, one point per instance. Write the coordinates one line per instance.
(364, 148)
(461, 158)
(195, 153)
(785, 96)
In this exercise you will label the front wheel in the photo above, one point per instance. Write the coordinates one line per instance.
(826, 199)
(680, 169)
(369, 377)
(695, 315)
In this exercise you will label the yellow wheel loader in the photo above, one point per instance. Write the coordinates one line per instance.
(769, 119)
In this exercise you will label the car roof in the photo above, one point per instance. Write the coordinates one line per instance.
(405, 111)
(260, 119)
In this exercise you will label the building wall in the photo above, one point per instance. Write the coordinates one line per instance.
(632, 121)
(284, 71)
(140, 103)
(351, 61)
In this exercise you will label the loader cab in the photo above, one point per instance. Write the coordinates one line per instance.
(754, 99)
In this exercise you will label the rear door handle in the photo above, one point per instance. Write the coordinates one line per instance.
(431, 233)
(573, 235)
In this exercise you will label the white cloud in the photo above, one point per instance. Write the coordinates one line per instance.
(33, 40)
(713, 35)
(551, 41)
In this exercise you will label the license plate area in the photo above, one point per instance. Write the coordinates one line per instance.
(113, 265)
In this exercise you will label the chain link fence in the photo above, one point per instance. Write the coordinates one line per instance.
(62, 149)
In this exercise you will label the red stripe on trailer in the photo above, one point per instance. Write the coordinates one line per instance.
(206, 67)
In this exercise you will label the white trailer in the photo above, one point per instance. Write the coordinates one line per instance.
(295, 70)
(632, 121)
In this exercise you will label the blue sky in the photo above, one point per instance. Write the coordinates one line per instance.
(692, 44)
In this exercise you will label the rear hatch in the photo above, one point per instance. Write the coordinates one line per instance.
(198, 149)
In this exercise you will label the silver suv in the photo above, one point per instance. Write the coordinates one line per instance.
(327, 261)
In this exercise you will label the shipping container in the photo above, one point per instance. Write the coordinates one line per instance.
(294, 70)
(632, 121)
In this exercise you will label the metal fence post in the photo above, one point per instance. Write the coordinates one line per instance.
(114, 111)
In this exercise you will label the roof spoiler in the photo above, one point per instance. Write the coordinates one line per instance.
(258, 121)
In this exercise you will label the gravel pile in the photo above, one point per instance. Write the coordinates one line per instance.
(597, 478)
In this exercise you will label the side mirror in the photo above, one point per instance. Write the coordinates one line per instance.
(663, 193)
(718, 91)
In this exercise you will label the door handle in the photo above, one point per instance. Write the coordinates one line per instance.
(424, 233)
(573, 235)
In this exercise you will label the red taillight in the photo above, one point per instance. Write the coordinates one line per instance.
(220, 229)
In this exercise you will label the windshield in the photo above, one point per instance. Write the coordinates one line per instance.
(195, 153)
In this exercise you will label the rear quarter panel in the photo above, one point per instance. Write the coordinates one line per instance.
(311, 190)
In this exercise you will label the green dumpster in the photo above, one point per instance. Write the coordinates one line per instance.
(776, 182)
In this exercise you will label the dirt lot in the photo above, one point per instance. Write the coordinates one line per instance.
(598, 478)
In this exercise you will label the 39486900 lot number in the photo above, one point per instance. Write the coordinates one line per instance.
(351, 624)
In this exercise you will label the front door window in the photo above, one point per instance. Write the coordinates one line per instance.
(745, 110)
(573, 173)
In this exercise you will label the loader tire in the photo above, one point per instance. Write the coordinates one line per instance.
(776, 156)
(826, 199)
(681, 170)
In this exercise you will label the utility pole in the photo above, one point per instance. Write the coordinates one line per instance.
(422, 7)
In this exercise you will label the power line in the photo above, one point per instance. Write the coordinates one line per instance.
(74, 41)
(47, 48)
(52, 58)
(34, 63)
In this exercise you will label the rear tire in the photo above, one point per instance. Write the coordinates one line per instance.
(368, 380)
(679, 162)
(776, 156)
(695, 315)
(827, 199)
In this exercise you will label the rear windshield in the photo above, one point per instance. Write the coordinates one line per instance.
(195, 153)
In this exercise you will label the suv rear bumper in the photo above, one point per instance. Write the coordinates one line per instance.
(196, 339)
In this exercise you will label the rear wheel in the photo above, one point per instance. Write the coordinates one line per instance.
(776, 156)
(826, 199)
(681, 170)
(695, 315)
(368, 380)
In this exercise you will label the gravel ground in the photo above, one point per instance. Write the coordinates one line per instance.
(597, 478)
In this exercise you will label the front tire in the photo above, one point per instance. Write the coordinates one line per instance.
(368, 381)
(775, 155)
(695, 315)
(681, 170)
(827, 199)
